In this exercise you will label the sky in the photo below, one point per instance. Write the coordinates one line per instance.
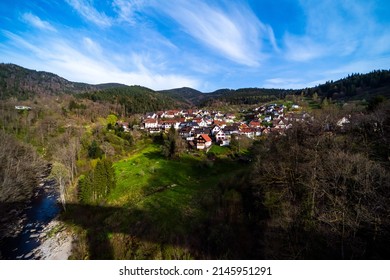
(203, 44)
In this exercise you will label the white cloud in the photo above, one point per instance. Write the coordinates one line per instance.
(92, 46)
(126, 9)
(333, 28)
(88, 11)
(290, 83)
(37, 22)
(235, 32)
(65, 59)
(303, 48)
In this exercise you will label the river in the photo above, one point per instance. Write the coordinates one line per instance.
(42, 209)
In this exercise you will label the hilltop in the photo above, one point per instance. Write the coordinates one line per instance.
(22, 83)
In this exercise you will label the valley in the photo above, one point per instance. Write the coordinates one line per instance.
(180, 174)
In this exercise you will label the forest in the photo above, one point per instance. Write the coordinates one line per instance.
(318, 191)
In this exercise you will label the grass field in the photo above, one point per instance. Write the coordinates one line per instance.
(157, 206)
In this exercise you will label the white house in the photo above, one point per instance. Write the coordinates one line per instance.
(150, 123)
(220, 136)
(215, 129)
(203, 142)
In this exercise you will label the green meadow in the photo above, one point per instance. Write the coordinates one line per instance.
(159, 208)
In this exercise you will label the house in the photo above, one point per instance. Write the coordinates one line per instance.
(22, 108)
(279, 124)
(202, 130)
(258, 132)
(230, 116)
(154, 130)
(192, 124)
(221, 124)
(186, 132)
(201, 122)
(248, 132)
(208, 120)
(166, 124)
(215, 129)
(243, 126)
(295, 107)
(231, 129)
(343, 121)
(267, 119)
(254, 123)
(150, 123)
(150, 115)
(124, 125)
(221, 136)
(171, 114)
(203, 141)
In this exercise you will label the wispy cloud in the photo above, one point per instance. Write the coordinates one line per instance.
(126, 9)
(290, 83)
(93, 47)
(86, 9)
(234, 31)
(333, 28)
(37, 22)
(303, 48)
(67, 59)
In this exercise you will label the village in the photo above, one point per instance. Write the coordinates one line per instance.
(202, 128)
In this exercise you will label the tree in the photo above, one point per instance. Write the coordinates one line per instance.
(173, 145)
(97, 184)
(235, 143)
(111, 121)
(62, 175)
(94, 150)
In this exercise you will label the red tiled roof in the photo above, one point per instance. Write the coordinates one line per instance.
(150, 121)
(247, 130)
(206, 137)
(254, 123)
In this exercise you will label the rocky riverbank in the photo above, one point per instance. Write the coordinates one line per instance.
(55, 242)
(27, 225)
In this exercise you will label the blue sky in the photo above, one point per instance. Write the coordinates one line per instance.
(201, 44)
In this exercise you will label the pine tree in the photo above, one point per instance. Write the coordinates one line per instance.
(97, 184)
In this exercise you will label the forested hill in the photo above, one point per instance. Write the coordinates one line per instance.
(22, 83)
(356, 86)
(187, 95)
(134, 99)
(246, 95)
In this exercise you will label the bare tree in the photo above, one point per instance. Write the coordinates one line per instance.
(62, 175)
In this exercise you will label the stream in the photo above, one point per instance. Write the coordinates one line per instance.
(42, 209)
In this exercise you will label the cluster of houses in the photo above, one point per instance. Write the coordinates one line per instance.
(201, 128)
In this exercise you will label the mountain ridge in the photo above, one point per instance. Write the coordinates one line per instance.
(22, 83)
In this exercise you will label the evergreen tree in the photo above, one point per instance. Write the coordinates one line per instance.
(97, 184)
(94, 150)
(173, 145)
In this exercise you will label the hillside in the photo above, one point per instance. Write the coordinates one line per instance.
(352, 87)
(356, 86)
(22, 83)
(187, 95)
(134, 99)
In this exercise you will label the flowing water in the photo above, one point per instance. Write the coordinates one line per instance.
(43, 208)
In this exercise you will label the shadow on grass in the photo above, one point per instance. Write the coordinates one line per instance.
(144, 235)
(177, 217)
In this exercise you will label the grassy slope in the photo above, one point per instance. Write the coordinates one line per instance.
(159, 206)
